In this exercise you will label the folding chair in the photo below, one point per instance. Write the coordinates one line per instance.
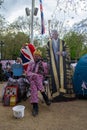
(46, 84)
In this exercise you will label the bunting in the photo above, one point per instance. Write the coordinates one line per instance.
(42, 18)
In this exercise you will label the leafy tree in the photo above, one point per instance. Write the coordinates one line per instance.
(43, 50)
(75, 42)
(19, 25)
(13, 43)
(24, 25)
(3, 25)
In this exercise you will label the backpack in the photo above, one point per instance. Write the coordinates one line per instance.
(10, 96)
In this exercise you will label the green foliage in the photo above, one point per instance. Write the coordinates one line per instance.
(75, 42)
(2, 24)
(12, 44)
(43, 50)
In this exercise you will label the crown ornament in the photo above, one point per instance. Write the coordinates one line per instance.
(37, 52)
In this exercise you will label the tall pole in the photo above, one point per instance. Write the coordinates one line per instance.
(49, 21)
(32, 19)
(1, 44)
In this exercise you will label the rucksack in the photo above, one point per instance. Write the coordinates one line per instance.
(10, 96)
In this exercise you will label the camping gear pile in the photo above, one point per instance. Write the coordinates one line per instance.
(15, 90)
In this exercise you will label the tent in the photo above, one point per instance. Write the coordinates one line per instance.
(80, 77)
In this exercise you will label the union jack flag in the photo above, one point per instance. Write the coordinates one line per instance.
(27, 55)
(42, 18)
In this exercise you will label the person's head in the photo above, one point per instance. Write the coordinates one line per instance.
(54, 34)
(24, 45)
(18, 60)
(37, 55)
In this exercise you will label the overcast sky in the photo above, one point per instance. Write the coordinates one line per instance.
(13, 8)
(72, 11)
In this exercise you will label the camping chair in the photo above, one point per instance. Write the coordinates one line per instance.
(46, 84)
(17, 70)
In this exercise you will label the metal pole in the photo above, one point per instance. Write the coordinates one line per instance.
(1, 51)
(49, 21)
(1, 44)
(32, 18)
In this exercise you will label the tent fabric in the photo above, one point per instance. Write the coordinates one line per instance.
(80, 77)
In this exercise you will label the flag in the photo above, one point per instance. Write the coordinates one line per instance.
(84, 85)
(42, 18)
(27, 54)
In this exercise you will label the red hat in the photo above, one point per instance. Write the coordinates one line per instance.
(32, 48)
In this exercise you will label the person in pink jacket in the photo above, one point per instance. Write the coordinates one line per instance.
(36, 72)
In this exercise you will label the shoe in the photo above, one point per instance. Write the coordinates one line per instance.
(34, 112)
(48, 102)
(25, 98)
(45, 97)
(35, 109)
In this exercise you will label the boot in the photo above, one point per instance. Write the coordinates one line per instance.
(35, 109)
(24, 97)
(45, 97)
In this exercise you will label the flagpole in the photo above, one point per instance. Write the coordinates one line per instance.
(49, 22)
(42, 21)
(32, 19)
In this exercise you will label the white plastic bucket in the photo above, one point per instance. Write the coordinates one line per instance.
(18, 111)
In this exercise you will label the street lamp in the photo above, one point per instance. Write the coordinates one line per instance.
(1, 45)
(32, 12)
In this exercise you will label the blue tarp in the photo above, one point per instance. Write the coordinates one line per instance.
(80, 77)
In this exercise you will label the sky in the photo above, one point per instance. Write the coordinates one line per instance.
(65, 12)
(13, 8)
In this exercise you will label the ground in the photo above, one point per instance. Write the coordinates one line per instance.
(70, 115)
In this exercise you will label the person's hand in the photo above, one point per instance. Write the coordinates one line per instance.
(59, 53)
(63, 53)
